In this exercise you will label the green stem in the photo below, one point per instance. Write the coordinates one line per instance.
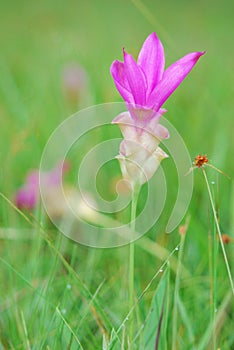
(210, 251)
(219, 232)
(135, 194)
(214, 277)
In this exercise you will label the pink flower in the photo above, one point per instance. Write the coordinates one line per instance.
(144, 84)
(28, 196)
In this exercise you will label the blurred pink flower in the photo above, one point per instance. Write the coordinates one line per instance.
(144, 84)
(28, 196)
(74, 81)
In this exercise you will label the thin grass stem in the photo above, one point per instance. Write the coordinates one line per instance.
(214, 274)
(218, 230)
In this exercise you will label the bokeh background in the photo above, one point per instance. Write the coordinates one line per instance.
(39, 39)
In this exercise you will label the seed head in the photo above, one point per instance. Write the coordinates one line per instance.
(200, 160)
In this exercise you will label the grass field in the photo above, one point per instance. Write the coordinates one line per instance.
(58, 294)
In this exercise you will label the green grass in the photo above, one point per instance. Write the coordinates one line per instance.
(57, 294)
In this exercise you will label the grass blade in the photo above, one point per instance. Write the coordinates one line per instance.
(155, 326)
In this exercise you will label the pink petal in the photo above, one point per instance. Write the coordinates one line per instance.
(140, 115)
(143, 136)
(151, 60)
(153, 122)
(118, 73)
(123, 118)
(126, 125)
(136, 79)
(172, 78)
(137, 164)
(161, 132)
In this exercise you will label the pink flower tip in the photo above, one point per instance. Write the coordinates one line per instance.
(146, 83)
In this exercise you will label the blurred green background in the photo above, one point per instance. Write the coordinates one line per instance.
(39, 38)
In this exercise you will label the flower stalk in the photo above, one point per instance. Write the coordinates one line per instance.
(214, 252)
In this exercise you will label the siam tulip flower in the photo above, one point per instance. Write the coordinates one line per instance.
(145, 86)
(28, 196)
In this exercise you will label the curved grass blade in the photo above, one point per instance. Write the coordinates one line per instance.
(155, 329)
